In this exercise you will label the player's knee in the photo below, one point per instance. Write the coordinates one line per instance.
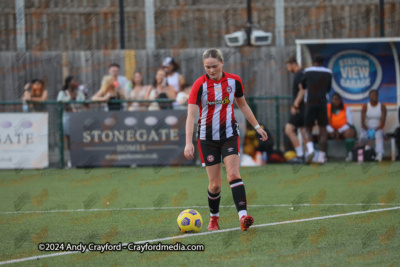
(288, 130)
(349, 133)
(214, 188)
(378, 134)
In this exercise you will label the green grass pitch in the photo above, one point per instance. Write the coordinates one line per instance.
(131, 205)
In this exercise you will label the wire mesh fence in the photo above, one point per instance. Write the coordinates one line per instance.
(272, 112)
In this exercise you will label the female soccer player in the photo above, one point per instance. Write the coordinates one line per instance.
(218, 133)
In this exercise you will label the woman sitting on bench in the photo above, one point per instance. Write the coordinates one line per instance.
(373, 117)
(341, 123)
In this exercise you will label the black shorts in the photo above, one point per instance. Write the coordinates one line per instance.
(297, 119)
(316, 112)
(211, 151)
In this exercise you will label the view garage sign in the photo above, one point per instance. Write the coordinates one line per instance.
(355, 73)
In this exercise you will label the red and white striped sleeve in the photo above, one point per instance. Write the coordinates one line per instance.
(197, 91)
(239, 91)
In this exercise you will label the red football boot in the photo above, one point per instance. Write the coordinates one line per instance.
(245, 222)
(213, 225)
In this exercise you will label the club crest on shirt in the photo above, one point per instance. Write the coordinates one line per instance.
(225, 101)
(229, 89)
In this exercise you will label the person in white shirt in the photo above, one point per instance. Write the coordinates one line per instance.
(70, 92)
(373, 117)
(174, 79)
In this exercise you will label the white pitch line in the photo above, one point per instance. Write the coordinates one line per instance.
(268, 224)
(38, 257)
(206, 233)
(202, 207)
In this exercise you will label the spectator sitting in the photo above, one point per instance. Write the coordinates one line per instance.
(267, 145)
(137, 91)
(340, 125)
(38, 93)
(109, 91)
(183, 96)
(70, 92)
(252, 141)
(373, 117)
(175, 79)
(160, 90)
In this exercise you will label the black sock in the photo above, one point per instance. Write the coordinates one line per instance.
(239, 194)
(213, 202)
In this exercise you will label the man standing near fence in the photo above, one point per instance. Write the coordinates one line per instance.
(296, 119)
(316, 84)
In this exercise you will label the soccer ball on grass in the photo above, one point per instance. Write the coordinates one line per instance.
(189, 221)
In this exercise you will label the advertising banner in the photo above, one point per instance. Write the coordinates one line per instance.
(24, 141)
(123, 138)
(358, 68)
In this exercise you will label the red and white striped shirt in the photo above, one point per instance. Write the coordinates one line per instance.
(215, 100)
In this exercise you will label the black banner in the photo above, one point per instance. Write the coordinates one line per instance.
(123, 138)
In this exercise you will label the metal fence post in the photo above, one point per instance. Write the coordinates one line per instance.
(61, 133)
(277, 122)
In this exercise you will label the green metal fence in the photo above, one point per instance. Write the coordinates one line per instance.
(273, 112)
(273, 116)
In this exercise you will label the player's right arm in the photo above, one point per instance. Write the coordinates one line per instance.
(189, 148)
(193, 103)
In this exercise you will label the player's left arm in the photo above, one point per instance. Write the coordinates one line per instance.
(248, 114)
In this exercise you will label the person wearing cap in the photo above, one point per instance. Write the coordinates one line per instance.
(174, 79)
